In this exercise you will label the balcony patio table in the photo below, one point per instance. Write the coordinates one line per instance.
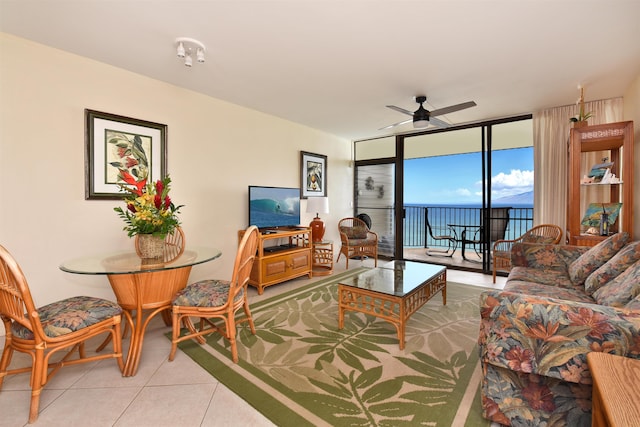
(462, 239)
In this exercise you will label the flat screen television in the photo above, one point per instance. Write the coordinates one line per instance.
(273, 207)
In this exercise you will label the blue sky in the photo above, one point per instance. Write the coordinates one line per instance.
(457, 179)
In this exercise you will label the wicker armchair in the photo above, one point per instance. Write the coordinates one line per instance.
(357, 240)
(544, 233)
(52, 333)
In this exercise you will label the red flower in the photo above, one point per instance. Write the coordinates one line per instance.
(539, 397)
(520, 359)
(131, 207)
(131, 162)
(167, 202)
(131, 180)
(157, 200)
(598, 322)
(159, 187)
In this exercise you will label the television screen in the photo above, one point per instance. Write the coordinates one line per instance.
(271, 207)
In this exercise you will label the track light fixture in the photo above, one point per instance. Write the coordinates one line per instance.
(186, 47)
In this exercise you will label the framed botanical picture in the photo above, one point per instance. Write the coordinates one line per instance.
(313, 175)
(115, 145)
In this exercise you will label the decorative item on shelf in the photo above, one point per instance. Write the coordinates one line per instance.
(318, 205)
(604, 222)
(596, 211)
(150, 213)
(581, 119)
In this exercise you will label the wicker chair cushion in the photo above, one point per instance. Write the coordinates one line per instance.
(362, 242)
(591, 260)
(69, 315)
(621, 290)
(535, 238)
(206, 293)
(357, 232)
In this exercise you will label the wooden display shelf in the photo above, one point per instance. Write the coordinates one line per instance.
(611, 140)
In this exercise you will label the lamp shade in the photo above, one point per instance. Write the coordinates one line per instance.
(318, 205)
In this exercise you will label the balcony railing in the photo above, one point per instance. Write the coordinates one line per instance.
(415, 227)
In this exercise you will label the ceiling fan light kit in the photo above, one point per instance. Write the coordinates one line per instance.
(422, 117)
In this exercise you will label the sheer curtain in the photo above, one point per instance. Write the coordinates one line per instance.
(550, 138)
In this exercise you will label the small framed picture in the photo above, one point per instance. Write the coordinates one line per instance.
(116, 144)
(313, 175)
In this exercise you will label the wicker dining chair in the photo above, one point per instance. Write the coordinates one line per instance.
(41, 332)
(357, 240)
(217, 299)
(544, 233)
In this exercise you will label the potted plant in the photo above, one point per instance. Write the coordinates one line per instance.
(581, 119)
(150, 213)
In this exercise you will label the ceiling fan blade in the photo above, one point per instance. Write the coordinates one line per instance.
(400, 110)
(439, 123)
(452, 108)
(396, 124)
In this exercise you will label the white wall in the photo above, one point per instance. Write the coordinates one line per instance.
(215, 150)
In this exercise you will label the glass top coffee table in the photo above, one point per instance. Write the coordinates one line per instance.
(392, 292)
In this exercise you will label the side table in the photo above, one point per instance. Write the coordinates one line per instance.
(322, 264)
(616, 396)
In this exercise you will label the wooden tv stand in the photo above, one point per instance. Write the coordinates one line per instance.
(283, 254)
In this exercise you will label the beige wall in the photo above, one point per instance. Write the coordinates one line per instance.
(632, 112)
(215, 150)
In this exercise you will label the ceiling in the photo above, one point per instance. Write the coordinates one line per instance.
(334, 65)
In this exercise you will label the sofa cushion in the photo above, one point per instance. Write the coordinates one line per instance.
(627, 256)
(548, 291)
(634, 304)
(591, 260)
(550, 277)
(621, 290)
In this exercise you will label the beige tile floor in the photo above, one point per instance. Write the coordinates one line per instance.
(162, 393)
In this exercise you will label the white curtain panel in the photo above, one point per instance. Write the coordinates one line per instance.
(550, 143)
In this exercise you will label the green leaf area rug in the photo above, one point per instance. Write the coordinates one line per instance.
(300, 369)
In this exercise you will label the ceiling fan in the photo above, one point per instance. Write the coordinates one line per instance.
(422, 117)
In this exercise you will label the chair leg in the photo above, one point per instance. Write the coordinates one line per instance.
(247, 313)
(231, 335)
(38, 374)
(175, 333)
(494, 271)
(7, 354)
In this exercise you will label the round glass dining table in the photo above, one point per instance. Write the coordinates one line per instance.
(142, 285)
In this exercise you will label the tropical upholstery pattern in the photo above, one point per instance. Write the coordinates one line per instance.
(355, 232)
(536, 332)
(621, 290)
(69, 315)
(591, 260)
(206, 293)
(621, 261)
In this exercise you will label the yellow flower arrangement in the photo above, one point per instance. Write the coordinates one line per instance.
(149, 207)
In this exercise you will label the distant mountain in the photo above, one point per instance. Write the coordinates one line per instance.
(516, 199)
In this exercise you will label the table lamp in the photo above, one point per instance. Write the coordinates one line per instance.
(318, 205)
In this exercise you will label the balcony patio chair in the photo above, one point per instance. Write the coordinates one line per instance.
(217, 299)
(544, 233)
(440, 237)
(63, 326)
(357, 240)
(498, 221)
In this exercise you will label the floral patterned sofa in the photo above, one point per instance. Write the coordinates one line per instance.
(559, 303)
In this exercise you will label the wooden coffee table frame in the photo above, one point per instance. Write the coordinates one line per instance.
(394, 309)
